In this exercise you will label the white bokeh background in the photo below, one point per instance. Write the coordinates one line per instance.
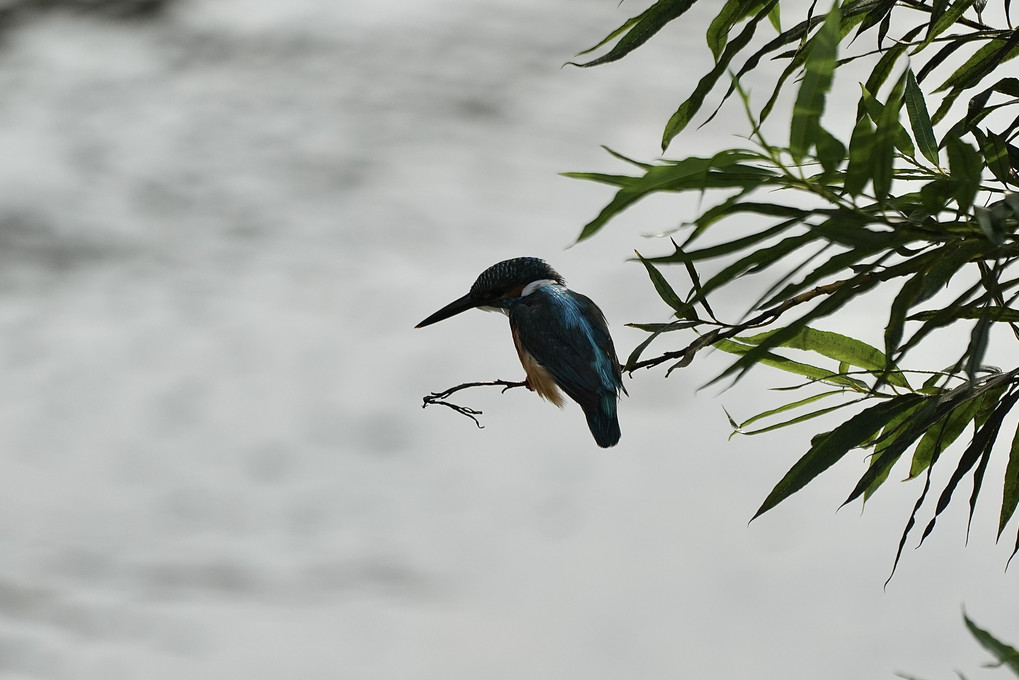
(217, 229)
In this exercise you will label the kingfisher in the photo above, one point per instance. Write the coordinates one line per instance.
(561, 336)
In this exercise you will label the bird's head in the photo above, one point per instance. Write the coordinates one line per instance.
(499, 285)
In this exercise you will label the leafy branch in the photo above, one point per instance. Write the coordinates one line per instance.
(918, 196)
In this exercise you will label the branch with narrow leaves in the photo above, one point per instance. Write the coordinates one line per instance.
(439, 398)
(686, 355)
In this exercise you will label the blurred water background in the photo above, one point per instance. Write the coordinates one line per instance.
(219, 221)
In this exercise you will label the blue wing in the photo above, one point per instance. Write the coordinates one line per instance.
(567, 334)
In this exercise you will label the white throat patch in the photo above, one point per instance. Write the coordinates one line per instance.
(535, 285)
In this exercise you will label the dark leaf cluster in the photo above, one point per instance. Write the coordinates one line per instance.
(916, 197)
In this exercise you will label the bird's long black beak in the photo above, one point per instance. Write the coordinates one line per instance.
(452, 309)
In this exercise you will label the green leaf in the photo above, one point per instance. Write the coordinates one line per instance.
(793, 35)
(819, 67)
(991, 224)
(978, 102)
(1010, 494)
(740, 428)
(737, 206)
(939, 319)
(885, 137)
(723, 170)
(983, 62)
(640, 29)
(980, 65)
(977, 347)
(879, 74)
(894, 443)
(835, 346)
(906, 298)
(879, 14)
(995, 149)
(756, 261)
(941, 436)
(718, 30)
(876, 111)
(965, 164)
(689, 108)
(861, 157)
(665, 291)
(775, 17)
(833, 265)
(832, 302)
(939, 24)
(895, 438)
(616, 33)
(920, 120)
(830, 151)
(979, 447)
(995, 314)
(681, 256)
(795, 367)
(1005, 654)
(988, 393)
(828, 448)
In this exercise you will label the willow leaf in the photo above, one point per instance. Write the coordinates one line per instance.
(1005, 654)
(835, 346)
(895, 438)
(640, 29)
(819, 68)
(983, 62)
(1010, 494)
(784, 408)
(939, 58)
(689, 108)
(876, 111)
(828, 448)
(996, 314)
(861, 157)
(940, 437)
(793, 35)
(665, 291)
(681, 255)
(995, 150)
(879, 14)
(977, 347)
(983, 439)
(966, 165)
(690, 174)
(939, 24)
(920, 120)
(830, 151)
(802, 418)
(782, 363)
(900, 307)
(718, 30)
(885, 137)
(829, 305)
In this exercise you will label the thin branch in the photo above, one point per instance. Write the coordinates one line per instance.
(686, 355)
(441, 397)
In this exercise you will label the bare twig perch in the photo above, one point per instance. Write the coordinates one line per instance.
(440, 397)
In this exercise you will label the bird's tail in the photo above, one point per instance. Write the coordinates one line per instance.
(601, 418)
